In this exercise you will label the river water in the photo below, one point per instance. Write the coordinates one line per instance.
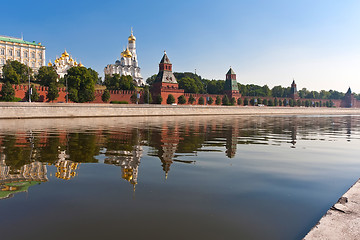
(234, 177)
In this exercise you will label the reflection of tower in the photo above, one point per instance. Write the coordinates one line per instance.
(129, 162)
(231, 139)
(293, 131)
(65, 168)
(169, 142)
(348, 127)
(29, 175)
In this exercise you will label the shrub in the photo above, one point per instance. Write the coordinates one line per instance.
(210, 101)
(105, 97)
(276, 102)
(270, 103)
(34, 95)
(53, 92)
(291, 102)
(182, 99)
(265, 102)
(191, 99)
(170, 99)
(232, 101)
(201, 101)
(7, 92)
(246, 102)
(218, 100)
(239, 101)
(159, 99)
(225, 100)
(133, 98)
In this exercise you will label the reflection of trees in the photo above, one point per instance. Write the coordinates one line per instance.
(82, 147)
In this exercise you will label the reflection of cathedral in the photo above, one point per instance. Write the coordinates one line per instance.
(129, 162)
(19, 181)
(65, 168)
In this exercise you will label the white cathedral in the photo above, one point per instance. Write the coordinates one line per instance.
(128, 64)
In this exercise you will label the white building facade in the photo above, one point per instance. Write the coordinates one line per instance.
(29, 53)
(128, 64)
(64, 63)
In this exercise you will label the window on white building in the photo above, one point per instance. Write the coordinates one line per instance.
(40, 55)
(26, 54)
(18, 53)
(1, 61)
(10, 52)
(33, 55)
(2, 51)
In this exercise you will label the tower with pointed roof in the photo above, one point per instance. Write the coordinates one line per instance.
(165, 82)
(293, 90)
(349, 99)
(231, 87)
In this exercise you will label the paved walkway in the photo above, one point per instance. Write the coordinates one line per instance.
(342, 221)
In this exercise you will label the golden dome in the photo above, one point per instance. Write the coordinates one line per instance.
(132, 38)
(75, 62)
(80, 65)
(49, 64)
(65, 54)
(126, 53)
(71, 59)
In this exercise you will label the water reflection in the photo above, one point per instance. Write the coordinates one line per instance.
(24, 155)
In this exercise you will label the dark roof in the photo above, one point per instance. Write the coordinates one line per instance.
(165, 59)
(293, 81)
(230, 71)
(349, 91)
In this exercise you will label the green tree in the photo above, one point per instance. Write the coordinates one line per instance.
(201, 101)
(218, 100)
(147, 95)
(133, 98)
(34, 95)
(170, 99)
(298, 103)
(210, 101)
(285, 102)
(16, 72)
(270, 103)
(117, 82)
(150, 80)
(239, 101)
(7, 92)
(265, 102)
(246, 102)
(225, 100)
(53, 92)
(280, 102)
(105, 97)
(159, 99)
(182, 99)
(189, 85)
(191, 99)
(46, 76)
(291, 102)
(276, 102)
(232, 101)
(81, 84)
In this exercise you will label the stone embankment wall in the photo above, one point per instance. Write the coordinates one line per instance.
(68, 110)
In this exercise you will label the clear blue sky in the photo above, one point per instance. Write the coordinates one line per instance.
(317, 42)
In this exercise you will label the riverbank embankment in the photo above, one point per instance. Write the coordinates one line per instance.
(75, 110)
(341, 221)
